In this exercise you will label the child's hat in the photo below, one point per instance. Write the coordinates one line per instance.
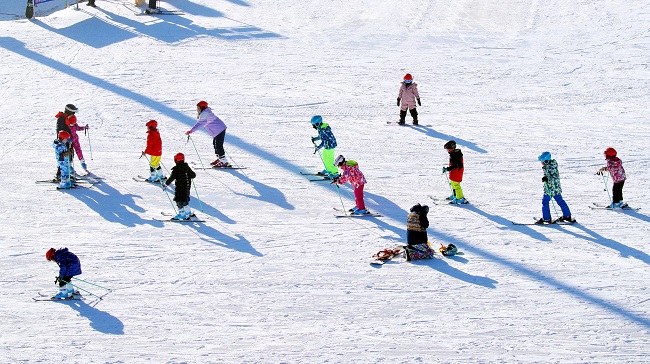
(202, 104)
(63, 135)
(71, 108)
(179, 157)
(316, 119)
(50, 254)
(610, 152)
(152, 123)
(450, 144)
(408, 78)
(544, 157)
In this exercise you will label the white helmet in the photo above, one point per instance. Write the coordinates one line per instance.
(339, 160)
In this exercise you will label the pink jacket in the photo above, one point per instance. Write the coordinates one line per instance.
(352, 174)
(408, 95)
(74, 128)
(615, 169)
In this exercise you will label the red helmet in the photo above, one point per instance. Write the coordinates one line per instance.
(179, 157)
(610, 152)
(50, 254)
(202, 104)
(152, 123)
(408, 77)
(63, 135)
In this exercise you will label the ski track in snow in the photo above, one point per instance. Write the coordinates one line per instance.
(272, 276)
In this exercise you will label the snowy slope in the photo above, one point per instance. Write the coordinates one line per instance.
(272, 276)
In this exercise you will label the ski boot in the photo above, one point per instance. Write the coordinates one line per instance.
(543, 222)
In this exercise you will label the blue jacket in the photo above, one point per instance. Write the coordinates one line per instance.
(325, 134)
(69, 264)
(61, 150)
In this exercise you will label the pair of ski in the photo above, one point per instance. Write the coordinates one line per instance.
(323, 177)
(192, 218)
(145, 179)
(47, 298)
(161, 12)
(438, 201)
(405, 124)
(343, 213)
(596, 206)
(557, 221)
(217, 168)
(385, 255)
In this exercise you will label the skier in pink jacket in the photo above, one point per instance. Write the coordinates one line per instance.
(351, 173)
(408, 95)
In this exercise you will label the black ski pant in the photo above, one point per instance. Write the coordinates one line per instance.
(414, 114)
(617, 190)
(152, 4)
(217, 142)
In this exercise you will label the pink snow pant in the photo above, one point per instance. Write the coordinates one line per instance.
(77, 148)
(358, 197)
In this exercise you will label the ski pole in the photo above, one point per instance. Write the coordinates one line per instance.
(449, 183)
(90, 148)
(548, 194)
(233, 161)
(320, 155)
(161, 184)
(197, 197)
(340, 198)
(92, 284)
(189, 138)
(606, 187)
(90, 293)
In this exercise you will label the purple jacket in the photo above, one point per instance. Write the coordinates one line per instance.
(212, 124)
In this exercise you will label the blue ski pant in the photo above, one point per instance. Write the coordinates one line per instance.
(546, 211)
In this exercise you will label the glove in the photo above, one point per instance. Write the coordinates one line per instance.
(312, 139)
(600, 173)
(335, 180)
(398, 100)
(419, 102)
(187, 132)
(163, 186)
(445, 169)
(86, 128)
(544, 179)
(56, 280)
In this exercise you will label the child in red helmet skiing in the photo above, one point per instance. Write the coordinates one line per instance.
(350, 173)
(63, 154)
(615, 168)
(154, 149)
(456, 168)
(69, 266)
(217, 130)
(183, 175)
(71, 121)
(62, 124)
(406, 98)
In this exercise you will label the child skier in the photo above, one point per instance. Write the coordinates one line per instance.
(69, 266)
(351, 173)
(74, 127)
(408, 94)
(456, 168)
(62, 152)
(552, 189)
(328, 141)
(183, 175)
(154, 149)
(217, 130)
(417, 223)
(62, 124)
(616, 171)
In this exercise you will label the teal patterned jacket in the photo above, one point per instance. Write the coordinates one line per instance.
(552, 186)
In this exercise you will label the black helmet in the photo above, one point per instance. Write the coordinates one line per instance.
(450, 144)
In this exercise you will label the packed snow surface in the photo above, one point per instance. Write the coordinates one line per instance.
(272, 276)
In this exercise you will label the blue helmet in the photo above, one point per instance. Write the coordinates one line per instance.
(544, 157)
(316, 119)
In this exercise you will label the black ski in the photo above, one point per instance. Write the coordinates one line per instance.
(161, 12)
(406, 124)
(29, 11)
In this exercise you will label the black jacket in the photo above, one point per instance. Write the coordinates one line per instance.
(416, 225)
(183, 175)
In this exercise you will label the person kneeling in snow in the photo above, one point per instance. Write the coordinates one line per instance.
(417, 223)
(69, 266)
(183, 175)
